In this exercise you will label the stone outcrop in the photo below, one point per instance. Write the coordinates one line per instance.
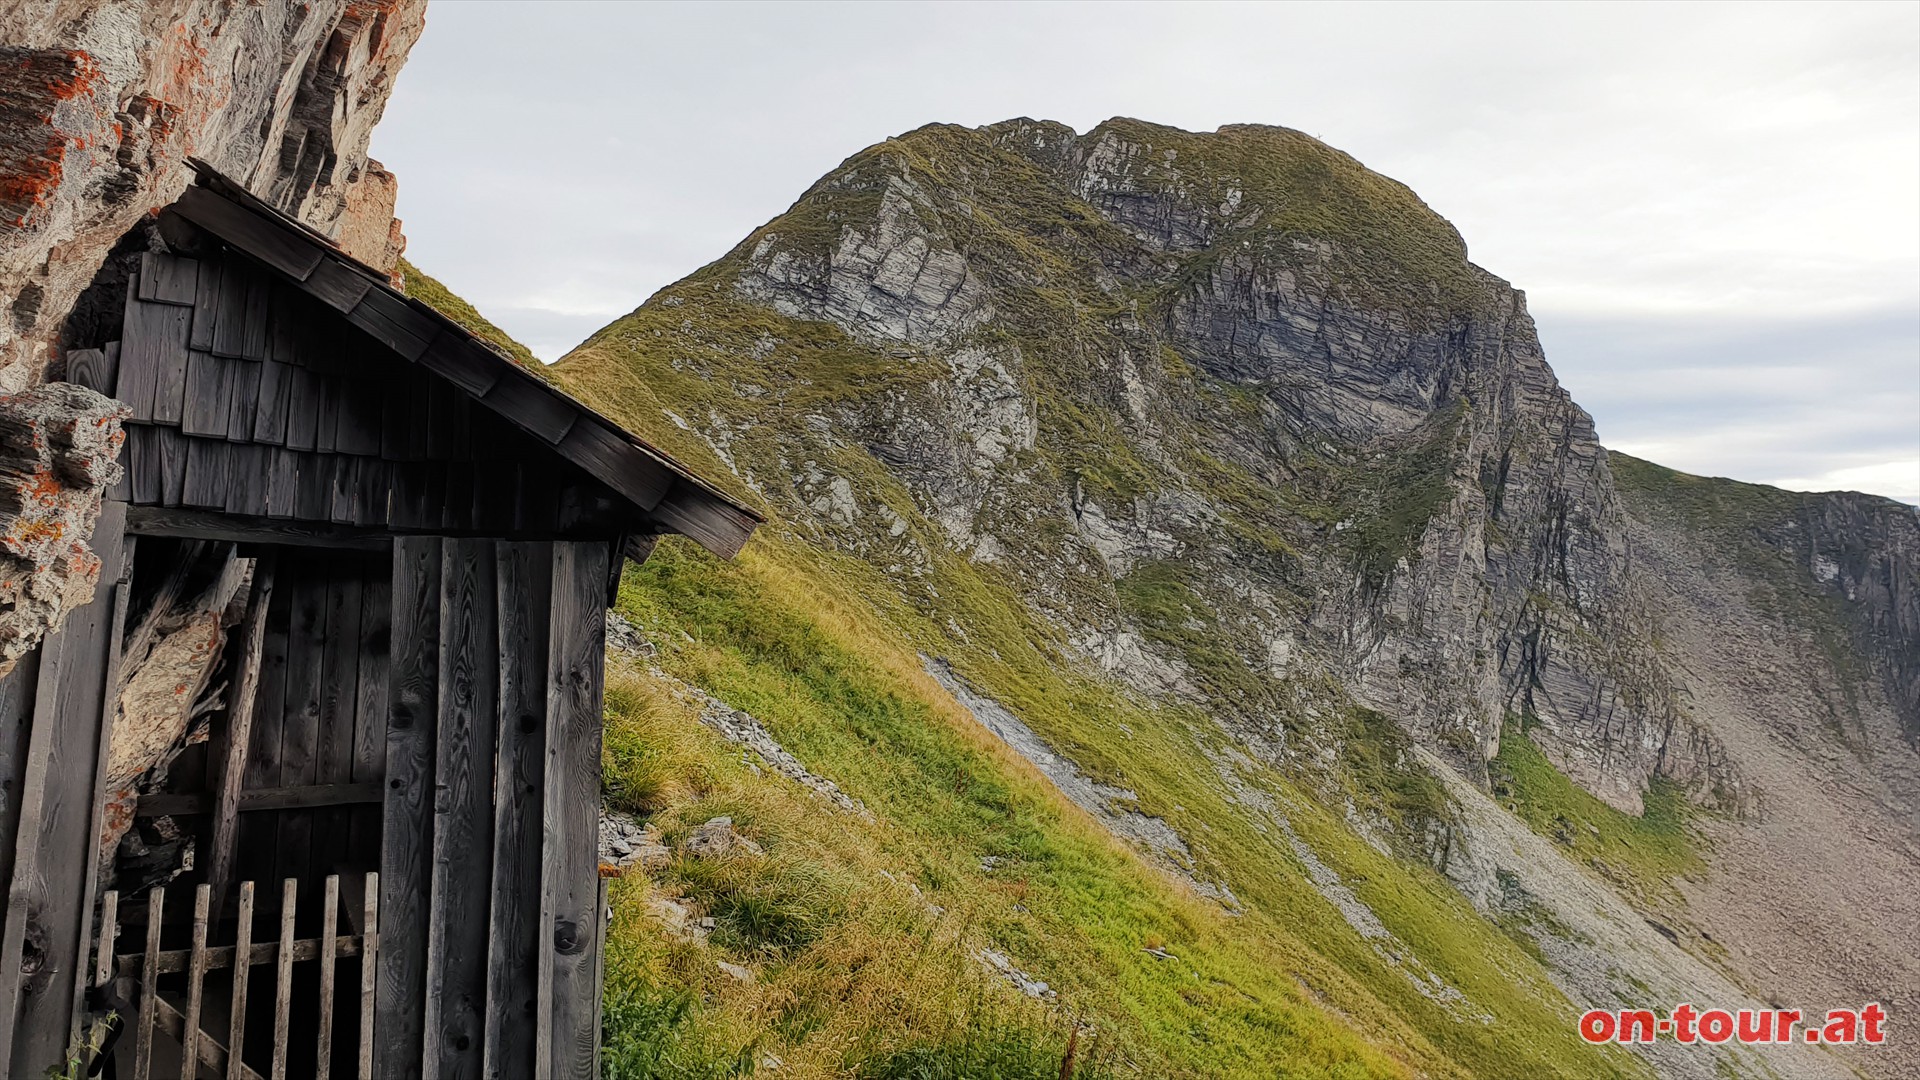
(58, 445)
(1244, 371)
(102, 102)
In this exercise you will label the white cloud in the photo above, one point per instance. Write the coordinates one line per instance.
(1624, 163)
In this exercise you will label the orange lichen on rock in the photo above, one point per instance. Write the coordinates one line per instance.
(58, 449)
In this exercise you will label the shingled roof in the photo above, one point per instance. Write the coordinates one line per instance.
(665, 492)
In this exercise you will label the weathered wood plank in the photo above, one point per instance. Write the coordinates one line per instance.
(113, 519)
(258, 834)
(207, 473)
(149, 986)
(154, 340)
(33, 787)
(304, 393)
(339, 694)
(532, 405)
(68, 815)
(537, 511)
(326, 431)
(242, 947)
(369, 973)
(207, 408)
(270, 410)
(283, 482)
(265, 240)
(463, 819)
(364, 405)
(230, 322)
(448, 414)
(370, 699)
(345, 492)
(329, 930)
(283, 977)
(220, 957)
(256, 320)
(394, 323)
(371, 490)
(525, 577)
(616, 461)
(313, 502)
(173, 465)
(570, 878)
(88, 368)
(206, 302)
(400, 411)
(456, 504)
(166, 521)
(307, 635)
(212, 1054)
(456, 358)
(196, 980)
(716, 526)
(167, 279)
(250, 469)
(337, 285)
(406, 850)
(243, 397)
(141, 459)
(188, 803)
(240, 722)
(109, 930)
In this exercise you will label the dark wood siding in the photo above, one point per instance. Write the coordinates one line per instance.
(488, 880)
(254, 399)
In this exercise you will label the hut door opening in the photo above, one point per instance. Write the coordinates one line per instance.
(280, 806)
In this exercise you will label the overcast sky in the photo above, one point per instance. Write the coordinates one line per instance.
(1714, 210)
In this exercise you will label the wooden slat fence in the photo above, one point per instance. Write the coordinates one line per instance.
(199, 1049)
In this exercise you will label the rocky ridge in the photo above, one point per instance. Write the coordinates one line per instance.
(1246, 432)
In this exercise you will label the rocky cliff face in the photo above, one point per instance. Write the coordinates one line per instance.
(1236, 425)
(1238, 414)
(101, 104)
(102, 101)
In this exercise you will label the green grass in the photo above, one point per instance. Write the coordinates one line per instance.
(429, 291)
(816, 647)
(1642, 855)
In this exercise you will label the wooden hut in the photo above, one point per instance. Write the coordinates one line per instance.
(394, 814)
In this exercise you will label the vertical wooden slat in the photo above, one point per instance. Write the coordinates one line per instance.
(149, 986)
(46, 1018)
(339, 692)
(329, 942)
(196, 977)
(406, 851)
(300, 714)
(33, 786)
(570, 879)
(108, 709)
(109, 928)
(523, 572)
(242, 950)
(258, 834)
(283, 977)
(370, 703)
(369, 973)
(240, 724)
(463, 818)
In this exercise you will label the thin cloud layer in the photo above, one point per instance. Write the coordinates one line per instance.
(1683, 191)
